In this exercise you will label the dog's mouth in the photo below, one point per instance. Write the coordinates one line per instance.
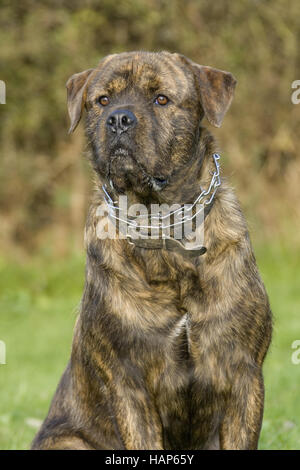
(124, 168)
(158, 183)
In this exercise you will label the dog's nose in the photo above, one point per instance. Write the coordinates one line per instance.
(121, 120)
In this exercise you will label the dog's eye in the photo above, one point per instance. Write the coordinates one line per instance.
(104, 100)
(161, 99)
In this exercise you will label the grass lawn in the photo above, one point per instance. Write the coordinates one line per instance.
(38, 307)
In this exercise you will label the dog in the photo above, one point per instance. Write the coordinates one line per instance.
(169, 343)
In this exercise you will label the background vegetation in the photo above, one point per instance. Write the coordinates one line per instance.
(45, 181)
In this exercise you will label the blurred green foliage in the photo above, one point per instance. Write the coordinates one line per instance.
(42, 43)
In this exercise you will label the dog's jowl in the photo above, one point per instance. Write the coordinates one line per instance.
(169, 343)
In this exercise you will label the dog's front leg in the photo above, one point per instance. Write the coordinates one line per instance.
(230, 330)
(229, 390)
(241, 424)
(109, 334)
(137, 420)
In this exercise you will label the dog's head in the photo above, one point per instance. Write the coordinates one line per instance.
(143, 114)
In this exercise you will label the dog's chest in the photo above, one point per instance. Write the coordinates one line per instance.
(174, 399)
(174, 379)
(178, 281)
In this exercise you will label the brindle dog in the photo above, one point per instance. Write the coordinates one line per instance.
(168, 349)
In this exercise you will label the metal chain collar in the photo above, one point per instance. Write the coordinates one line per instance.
(211, 191)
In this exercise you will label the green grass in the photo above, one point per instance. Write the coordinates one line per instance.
(38, 304)
(280, 269)
(38, 310)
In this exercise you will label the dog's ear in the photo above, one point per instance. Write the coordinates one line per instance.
(76, 94)
(216, 92)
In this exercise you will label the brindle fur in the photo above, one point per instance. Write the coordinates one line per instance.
(167, 350)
